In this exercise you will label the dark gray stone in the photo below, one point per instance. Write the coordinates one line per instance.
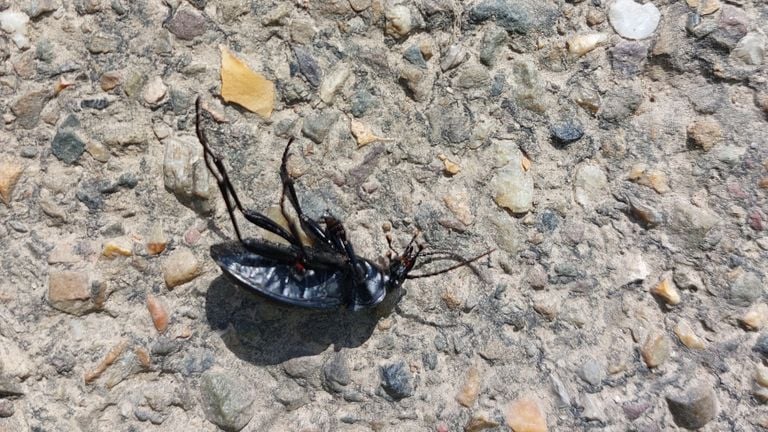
(308, 66)
(493, 39)
(38, 8)
(396, 380)
(9, 386)
(361, 102)
(227, 400)
(429, 359)
(745, 289)
(96, 103)
(67, 146)
(336, 373)
(512, 16)
(186, 24)
(693, 408)
(620, 104)
(414, 56)
(566, 132)
(761, 346)
(627, 58)
(317, 126)
(63, 363)
(498, 84)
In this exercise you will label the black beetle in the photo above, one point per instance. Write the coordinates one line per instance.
(327, 274)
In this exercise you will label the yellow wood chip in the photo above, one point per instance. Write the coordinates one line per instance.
(241, 85)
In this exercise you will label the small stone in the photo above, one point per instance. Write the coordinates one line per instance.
(458, 204)
(687, 336)
(633, 410)
(308, 66)
(154, 91)
(156, 243)
(590, 185)
(68, 146)
(652, 178)
(656, 349)
(121, 246)
(10, 172)
(513, 185)
(453, 57)
(471, 388)
(180, 267)
(755, 317)
(667, 291)
(695, 407)
(761, 375)
(97, 150)
(396, 380)
(595, 17)
(317, 126)
(186, 24)
(708, 7)
(704, 133)
(480, 421)
(586, 98)
(399, 21)
(746, 287)
(185, 174)
(37, 9)
(627, 58)
(70, 292)
(594, 409)
(493, 39)
(6, 408)
(750, 49)
(633, 20)
(28, 107)
(158, 313)
(102, 42)
(579, 45)
(417, 82)
(227, 400)
(592, 372)
(333, 82)
(415, 57)
(472, 75)
(336, 373)
(361, 102)
(566, 132)
(525, 415)
(512, 16)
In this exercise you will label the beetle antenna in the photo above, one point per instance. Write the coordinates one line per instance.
(461, 264)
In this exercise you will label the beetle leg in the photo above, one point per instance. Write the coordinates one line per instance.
(217, 169)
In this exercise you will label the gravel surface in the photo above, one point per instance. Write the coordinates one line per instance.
(614, 155)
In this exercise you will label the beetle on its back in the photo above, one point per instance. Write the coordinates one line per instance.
(326, 275)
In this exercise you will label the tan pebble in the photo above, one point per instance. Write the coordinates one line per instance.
(97, 150)
(525, 163)
(426, 48)
(142, 355)
(458, 204)
(480, 421)
(243, 86)
(156, 242)
(709, 7)
(450, 167)
(763, 183)
(656, 349)
(471, 388)
(154, 91)
(158, 313)
(180, 267)
(451, 300)
(755, 317)
(581, 44)
(121, 246)
(548, 309)
(183, 333)
(110, 80)
(761, 375)
(693, 3)
(10, 172)
(595, 16)
(655, 179)
(667, 291)
(687, 337)
(705, 133)
(385, 324)
(525, 415)
(69, 291)
(110, 358)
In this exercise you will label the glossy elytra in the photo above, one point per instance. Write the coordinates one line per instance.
(327, 274)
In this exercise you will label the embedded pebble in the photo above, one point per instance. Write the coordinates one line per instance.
(110, 80)
(687, 336)
(755, 317)
(705, 133)
(68, 146)
(15, 23)
(180, 267)
(333, 81)
(158, 313)
(633, 20)
(186, 24)
(317, 126)
(471, 388)
(656, 349)
(653, 178)
(493, 40)
(627, 58)
(525, 415)
(694, 407)
(513, 185)
(396, 380)
(566, 132)
(121, 246)
(453, 57)
(10, 173)
(667, 291)
(751, 49)
(480, 421)
(154, 91)
(592, 372)
(227, 400)
(156, 242)
(399, 21)
(27, 108)
(70, 292)
(590, 185)
(579, 45)
(6, 408)
(745, 288)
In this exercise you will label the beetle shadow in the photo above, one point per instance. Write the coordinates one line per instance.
(264, 332)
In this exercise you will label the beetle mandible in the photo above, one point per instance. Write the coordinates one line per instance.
(328, 274)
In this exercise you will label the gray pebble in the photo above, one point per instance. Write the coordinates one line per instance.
(28, 152)
(761, 346)
(429, 359)
(472, 75)
(67, 146)
(291, 395)
(6, 408)
(38, 8)
(627, 58)
(620, 104)
(512, 16)
(592, 372)
(308, 66)
(566, 132)
(226, 399)
(317, 126)
(9, 387)
(102, 43)
(493, 39)
(186, 24)
(414, 56)
(396, 380)
(498, 84)
(18, 226)
(747, 288)
(633, 410)
(144, 414)
(695, 407)
(336, 373)
(361, 102)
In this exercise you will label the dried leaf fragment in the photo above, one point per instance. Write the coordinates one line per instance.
(363, 133)
(243, 86)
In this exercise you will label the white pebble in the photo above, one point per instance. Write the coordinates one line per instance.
(13, 22)
(632, 20)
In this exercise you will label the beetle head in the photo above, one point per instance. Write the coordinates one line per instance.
(402, 264)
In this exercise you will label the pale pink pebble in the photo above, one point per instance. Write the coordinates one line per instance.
(192, 236)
